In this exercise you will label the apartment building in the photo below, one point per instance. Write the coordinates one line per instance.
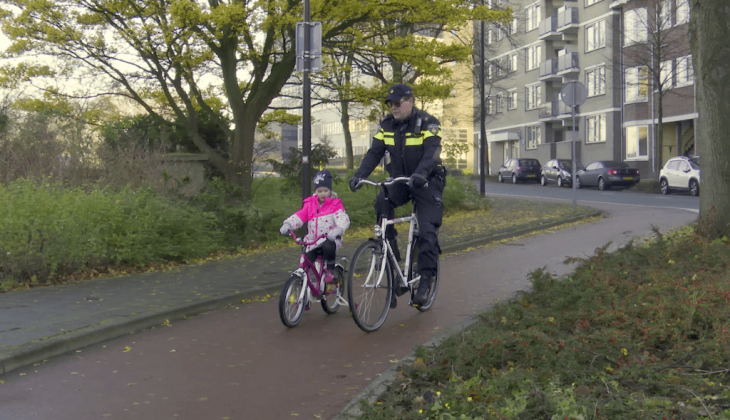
(608, 46)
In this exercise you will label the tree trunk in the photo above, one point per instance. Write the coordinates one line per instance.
(710, 44)
(345, 119)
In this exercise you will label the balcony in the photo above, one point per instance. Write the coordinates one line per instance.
(549, 29)
(568, 20)
(555, 111)
(549, 71)
(548, 112)
(568, 63)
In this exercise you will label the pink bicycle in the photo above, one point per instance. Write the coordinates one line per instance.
(306, 285)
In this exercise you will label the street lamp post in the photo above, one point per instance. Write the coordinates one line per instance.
(306, 107)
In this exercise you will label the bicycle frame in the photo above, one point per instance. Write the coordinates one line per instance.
(403, 273)
(314, 291)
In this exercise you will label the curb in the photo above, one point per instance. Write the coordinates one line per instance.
(38, 351)
(377, 387)
(380, 385)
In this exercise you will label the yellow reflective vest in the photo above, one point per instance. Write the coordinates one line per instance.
(413, 146)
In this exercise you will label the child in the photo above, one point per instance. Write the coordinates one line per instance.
(325, 216)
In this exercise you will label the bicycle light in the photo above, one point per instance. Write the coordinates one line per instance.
(378, 233)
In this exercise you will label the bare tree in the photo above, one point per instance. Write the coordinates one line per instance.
(653, 39)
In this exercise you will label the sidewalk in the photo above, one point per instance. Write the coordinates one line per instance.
(40, 323)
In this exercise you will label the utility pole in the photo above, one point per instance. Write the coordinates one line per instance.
(483, 117)
(306, 107)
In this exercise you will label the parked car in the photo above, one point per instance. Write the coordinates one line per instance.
(680, 173)
(606, 174)
(558, 170)
(522, 169)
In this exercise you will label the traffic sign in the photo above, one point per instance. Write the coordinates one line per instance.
(573, 93)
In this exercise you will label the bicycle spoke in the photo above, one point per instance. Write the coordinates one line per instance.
(368, 287)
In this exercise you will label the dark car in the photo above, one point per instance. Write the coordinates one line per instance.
(558, 170)
(522, 169)
(606, 174)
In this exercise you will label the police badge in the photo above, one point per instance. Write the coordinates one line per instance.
(433, 128)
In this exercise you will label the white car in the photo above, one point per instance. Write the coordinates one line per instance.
(681, 173)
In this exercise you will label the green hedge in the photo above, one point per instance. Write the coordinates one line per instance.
(49, 231)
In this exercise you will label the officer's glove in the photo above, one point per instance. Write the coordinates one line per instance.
(334, 234)
(353, 183)
(284, 229)
(417, 181)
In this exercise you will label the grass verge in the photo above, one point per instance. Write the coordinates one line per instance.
(641, 333)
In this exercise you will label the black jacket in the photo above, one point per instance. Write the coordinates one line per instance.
(414, 146)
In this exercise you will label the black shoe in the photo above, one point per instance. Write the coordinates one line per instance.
(393, 301)
(424, 287)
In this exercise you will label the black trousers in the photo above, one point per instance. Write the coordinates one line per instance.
(328, 251)
(429, 212)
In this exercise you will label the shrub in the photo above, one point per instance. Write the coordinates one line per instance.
(50, 231)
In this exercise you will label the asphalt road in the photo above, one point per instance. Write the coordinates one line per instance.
(590, 196)
(242, 363)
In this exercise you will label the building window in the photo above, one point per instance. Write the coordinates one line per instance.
(532, 96)
(665, 75)
(591, 2)
(512, 99)
(513, 62)
(682, 12)
(498, 64)
(532, 17)
(500, 32)
(489, 71)
(635, 26)
(596, 128)
(533, 137)
(490, 106)
(664, 15)
(498, 103)
(595, 35)
(636, 142)
(490, 34)
(596, 81)
(637, 84)
(533, 56)
(512, 27)
(685, 71)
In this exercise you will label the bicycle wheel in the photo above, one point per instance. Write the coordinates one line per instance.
(330, 302)
(369, 301)
(291, 309)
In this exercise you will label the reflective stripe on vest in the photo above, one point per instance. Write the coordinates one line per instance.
(388, 137)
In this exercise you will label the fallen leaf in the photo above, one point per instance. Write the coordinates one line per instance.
(127, 349)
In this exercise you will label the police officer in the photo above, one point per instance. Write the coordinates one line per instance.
(412, 140)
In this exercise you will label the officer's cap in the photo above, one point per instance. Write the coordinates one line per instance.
(397, 92)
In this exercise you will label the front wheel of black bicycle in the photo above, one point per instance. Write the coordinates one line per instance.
(368, 288)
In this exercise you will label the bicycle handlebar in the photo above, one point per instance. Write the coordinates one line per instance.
(301, 241)
(387, 182)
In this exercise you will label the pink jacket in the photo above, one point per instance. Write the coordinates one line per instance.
(320, 219)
